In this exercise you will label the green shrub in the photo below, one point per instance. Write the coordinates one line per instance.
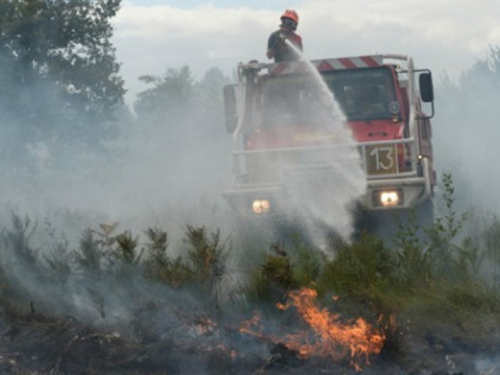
(362, 274)
(158, 266)
(274, 278)
(307, 262)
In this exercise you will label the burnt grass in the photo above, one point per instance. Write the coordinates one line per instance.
(35, 344)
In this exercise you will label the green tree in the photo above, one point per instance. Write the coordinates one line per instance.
(169, 99)
(211, 101)
(59, 77)
(186, 106)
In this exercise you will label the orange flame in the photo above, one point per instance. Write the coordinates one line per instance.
(331, 338)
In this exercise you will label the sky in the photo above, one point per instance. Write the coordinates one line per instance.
(443, 35)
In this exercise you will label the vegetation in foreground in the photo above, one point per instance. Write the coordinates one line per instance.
(440, 288)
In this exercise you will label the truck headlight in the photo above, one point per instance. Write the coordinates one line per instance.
(388, 198)
(261, 206)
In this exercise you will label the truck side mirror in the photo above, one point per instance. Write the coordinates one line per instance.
(230, 107)
(426, 89)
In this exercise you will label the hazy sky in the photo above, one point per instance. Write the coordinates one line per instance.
(443, 35)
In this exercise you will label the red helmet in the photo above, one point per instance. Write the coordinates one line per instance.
(290, 13)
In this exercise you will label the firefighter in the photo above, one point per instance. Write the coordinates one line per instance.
(276, 45)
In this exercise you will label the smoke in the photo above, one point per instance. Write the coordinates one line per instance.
(162, 171)
(166, 174)
(466, 133)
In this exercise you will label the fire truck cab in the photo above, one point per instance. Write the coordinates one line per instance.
(271, 115)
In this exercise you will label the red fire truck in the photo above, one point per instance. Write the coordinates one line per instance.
(276, 134)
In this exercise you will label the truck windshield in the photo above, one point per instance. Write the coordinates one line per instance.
(294, 100)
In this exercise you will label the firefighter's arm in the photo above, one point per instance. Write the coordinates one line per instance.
(276, 42)
(271, 43)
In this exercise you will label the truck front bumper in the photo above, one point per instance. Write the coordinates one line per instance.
(380, 195)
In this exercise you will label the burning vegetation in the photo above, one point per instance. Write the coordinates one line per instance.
(119, 304)
(331, 338)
